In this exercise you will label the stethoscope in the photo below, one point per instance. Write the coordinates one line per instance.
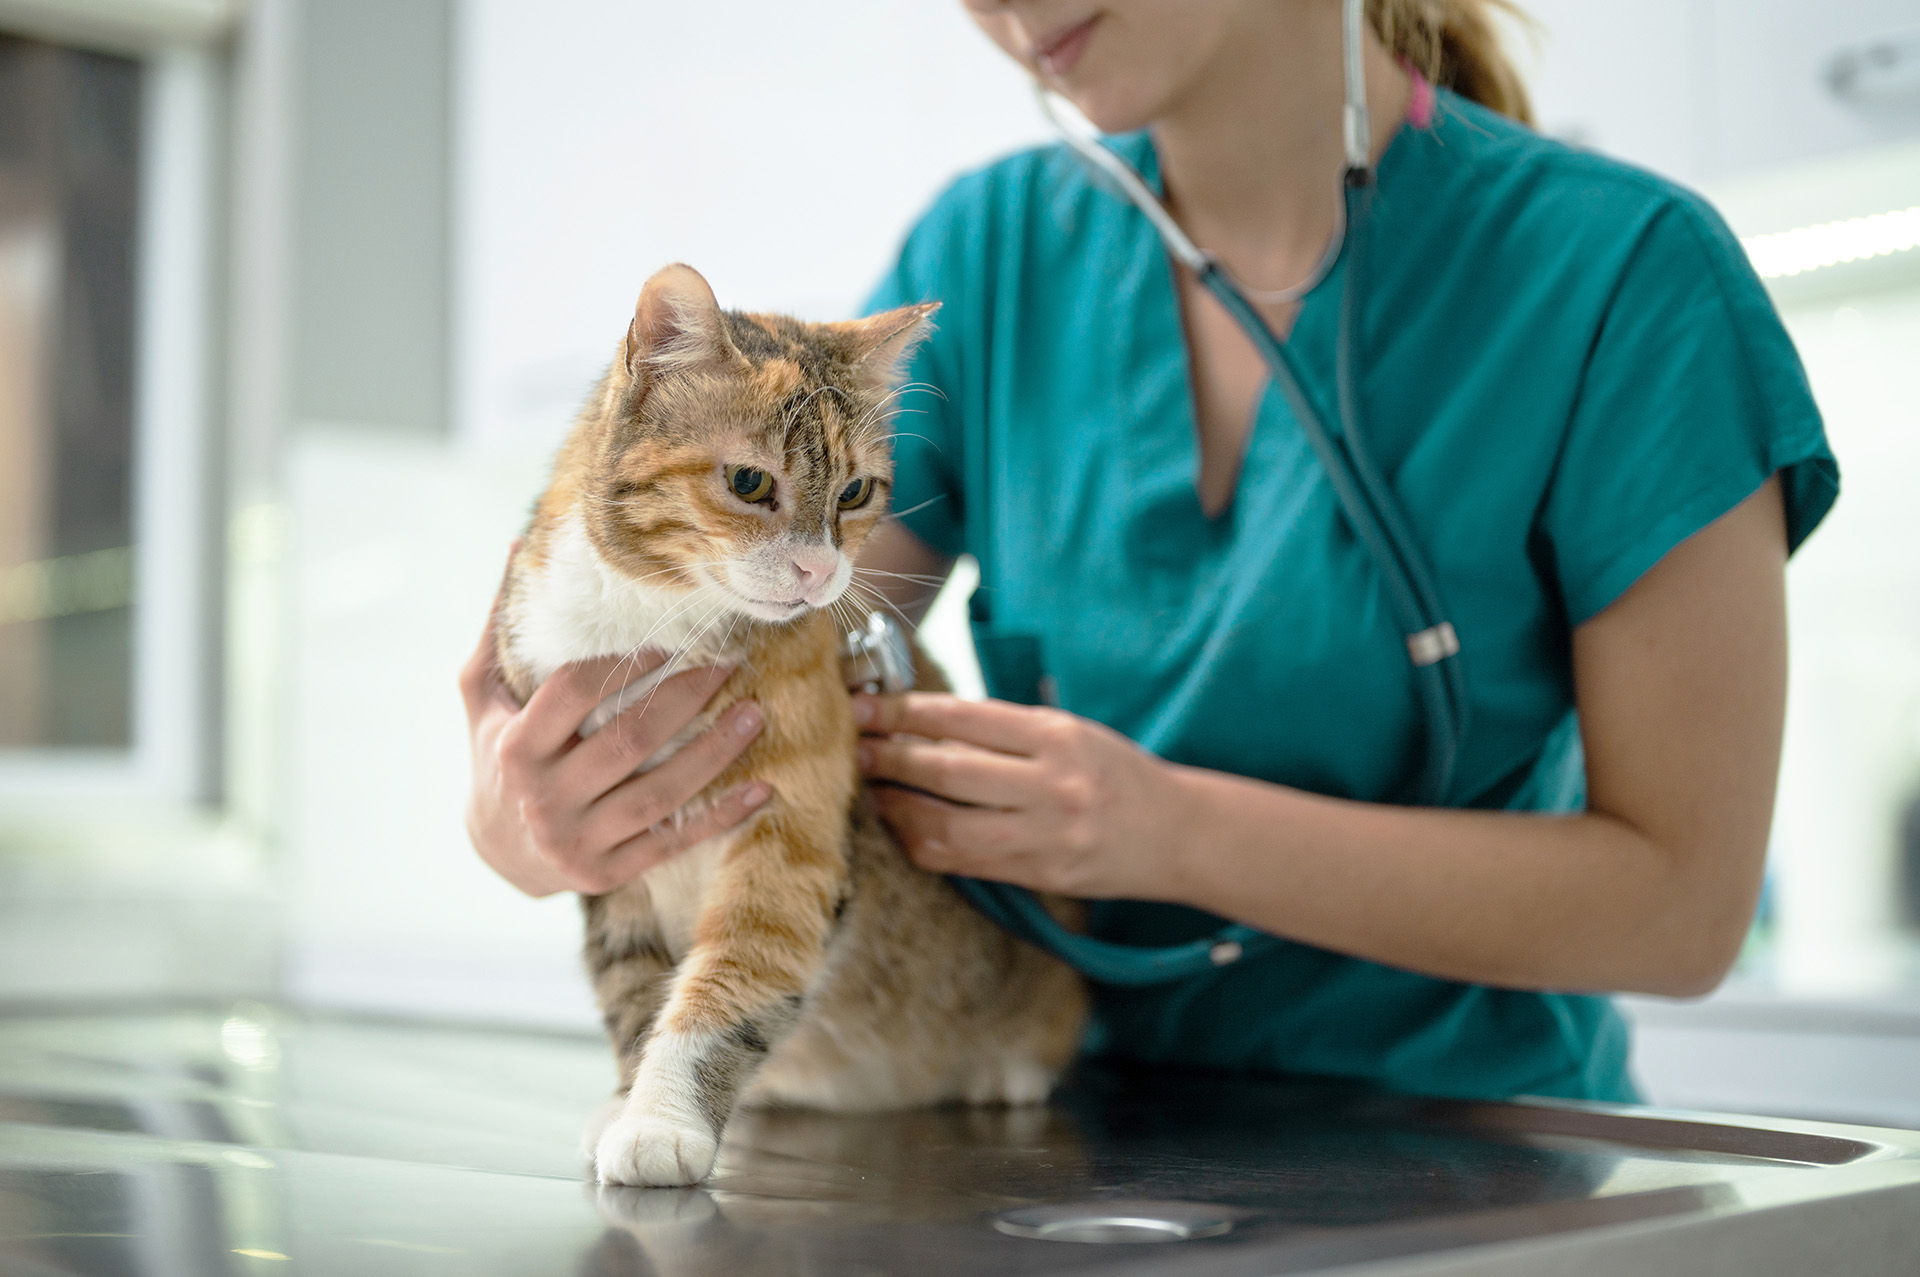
(1369, 505)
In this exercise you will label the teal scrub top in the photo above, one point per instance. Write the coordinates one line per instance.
(1569, 367)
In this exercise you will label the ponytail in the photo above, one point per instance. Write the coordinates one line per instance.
(1455, 44)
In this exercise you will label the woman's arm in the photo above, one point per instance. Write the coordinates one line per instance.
(1681, 688)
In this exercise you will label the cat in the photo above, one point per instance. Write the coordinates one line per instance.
(710, 502)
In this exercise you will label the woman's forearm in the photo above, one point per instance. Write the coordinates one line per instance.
(1680, 686)
(1577, 901)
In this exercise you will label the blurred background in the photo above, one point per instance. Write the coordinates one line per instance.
(297, 296)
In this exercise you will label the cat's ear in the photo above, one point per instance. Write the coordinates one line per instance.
(676, 324)
(881, 343)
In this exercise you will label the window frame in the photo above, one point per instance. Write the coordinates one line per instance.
(172, 754)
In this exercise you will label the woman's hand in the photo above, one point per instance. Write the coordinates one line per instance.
(551, 811)
(1032, 796)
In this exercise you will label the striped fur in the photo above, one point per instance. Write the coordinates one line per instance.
(800, 958)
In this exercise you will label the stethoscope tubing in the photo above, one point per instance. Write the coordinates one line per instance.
(1365, 497)
(1362, 491)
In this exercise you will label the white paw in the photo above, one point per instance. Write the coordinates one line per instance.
(653, 1152)
(1009, 1081)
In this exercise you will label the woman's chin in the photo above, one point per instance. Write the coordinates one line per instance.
(1113, 111)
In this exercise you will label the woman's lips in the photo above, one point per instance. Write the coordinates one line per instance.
(1057, 53)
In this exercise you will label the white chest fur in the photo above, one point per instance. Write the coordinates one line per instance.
(573, 607)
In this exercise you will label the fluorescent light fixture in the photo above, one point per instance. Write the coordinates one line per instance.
(1808, 248)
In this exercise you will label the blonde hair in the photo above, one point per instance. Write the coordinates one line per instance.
(1455, 43)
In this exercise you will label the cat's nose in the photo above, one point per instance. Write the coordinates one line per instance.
(814, 566)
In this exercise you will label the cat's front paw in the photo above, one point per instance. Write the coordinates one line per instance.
(652, 1152)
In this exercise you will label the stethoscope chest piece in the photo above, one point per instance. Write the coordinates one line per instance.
(879, 656)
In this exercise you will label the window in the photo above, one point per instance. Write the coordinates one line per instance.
(107, 213)
(69, 173)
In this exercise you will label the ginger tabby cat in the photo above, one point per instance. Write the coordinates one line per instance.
(710, 502)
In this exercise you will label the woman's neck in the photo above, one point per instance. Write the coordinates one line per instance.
(1252, 156)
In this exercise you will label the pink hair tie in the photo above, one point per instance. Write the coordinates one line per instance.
(1421, 103)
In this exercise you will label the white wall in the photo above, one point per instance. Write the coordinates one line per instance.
(781, 149)
(1852, 758)
(1705, 90)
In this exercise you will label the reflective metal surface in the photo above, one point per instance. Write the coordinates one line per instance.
(1118, 1221)
(247, 1138)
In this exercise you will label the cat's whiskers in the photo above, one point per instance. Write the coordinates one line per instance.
(673, 664)
(889, 398)
(929, 587)
(903, 388)
(721, 611)
(869, 596)
(700, 588)
(679, 608)
(671, 569)
(908, 434)
(916, 578)
(628, 666)
(733, 617)
(687, 653)
(841, 618)
(913, 509)
(793, 414)
(879, 406)
(726, 640)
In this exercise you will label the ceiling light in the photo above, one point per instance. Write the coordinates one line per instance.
(1808, 248)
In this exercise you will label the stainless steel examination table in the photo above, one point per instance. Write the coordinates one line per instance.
(243, 1139)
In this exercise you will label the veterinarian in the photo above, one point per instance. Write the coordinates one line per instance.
(1598, 431)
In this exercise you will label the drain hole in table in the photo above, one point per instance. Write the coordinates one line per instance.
(1116, 1223)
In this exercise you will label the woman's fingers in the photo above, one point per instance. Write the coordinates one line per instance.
(638, 732)
(645, 850)
(557, 708)
(479, 677)
(954, 770)
(943, 838)
(1001, 725)
(646, 800)
(480, 683)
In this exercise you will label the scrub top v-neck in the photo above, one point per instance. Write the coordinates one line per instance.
(1568, 368)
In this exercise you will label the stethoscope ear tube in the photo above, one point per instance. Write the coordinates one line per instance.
(1368, 503)
(1377, 521)
(1402, 571)
(1430, 637)
(1119, 175)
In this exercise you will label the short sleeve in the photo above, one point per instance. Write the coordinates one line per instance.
(1693, 396)
(933, 266)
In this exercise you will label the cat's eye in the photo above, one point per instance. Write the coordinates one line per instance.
(749, 484)
(856, 494)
